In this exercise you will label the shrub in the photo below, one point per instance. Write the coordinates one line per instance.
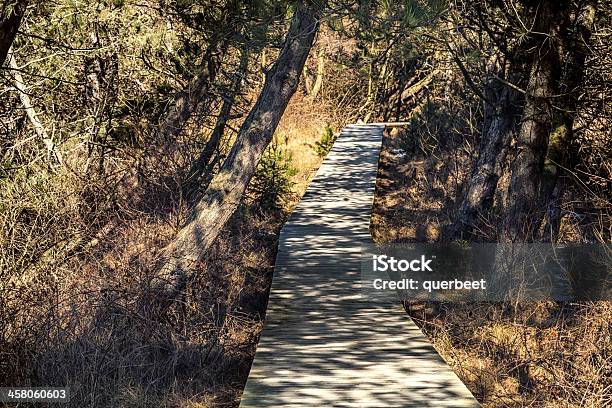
(328, 138)
(272, 184)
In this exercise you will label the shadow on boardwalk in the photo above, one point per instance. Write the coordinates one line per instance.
(324, 344)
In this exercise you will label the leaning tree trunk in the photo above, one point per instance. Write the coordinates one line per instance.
(190, 100)
(318, 84)
(196, 97)
(524, 206)
(201, 166)
(489, 166)
(52, 153)
(9, 25)
(227, 188)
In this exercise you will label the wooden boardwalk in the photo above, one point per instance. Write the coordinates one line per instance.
(323, 344)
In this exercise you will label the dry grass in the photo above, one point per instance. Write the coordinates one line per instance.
(84, 321)
(540, 354)
(301, 127)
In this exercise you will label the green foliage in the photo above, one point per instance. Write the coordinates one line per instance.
(272, 184)
(7, 9)
(323, 146)
(391, 44)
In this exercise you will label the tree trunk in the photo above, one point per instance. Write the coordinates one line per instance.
(316, 87)
(189, 101)
(201, 165)
(524, 206)
(561, 146)
(198, 93)
(307, 80)
(39, 129)
(489, 166)
(9, 25)
(227, 188)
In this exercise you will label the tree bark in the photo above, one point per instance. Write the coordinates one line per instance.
(190, 100)
(489, 166)
(31, 113)
(524, 205)
(307, 80)
(561, 146)
(198, 92)
(9, 25)
(201, 165)
(316, 87)
(227, 188)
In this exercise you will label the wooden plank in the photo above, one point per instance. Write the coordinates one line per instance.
(393, 124)
(324, 343)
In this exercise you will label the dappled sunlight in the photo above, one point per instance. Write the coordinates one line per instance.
(323, 342)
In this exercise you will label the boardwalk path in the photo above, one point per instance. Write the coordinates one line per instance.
(323, 344)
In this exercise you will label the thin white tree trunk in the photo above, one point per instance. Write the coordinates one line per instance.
(316, 88)
(31, 112)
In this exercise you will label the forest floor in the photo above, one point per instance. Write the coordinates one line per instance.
(238, 271)
(542, 354)
(92, 330)
(539, 354)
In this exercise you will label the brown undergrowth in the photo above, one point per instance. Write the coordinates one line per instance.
(85, 322)
(537, 354)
